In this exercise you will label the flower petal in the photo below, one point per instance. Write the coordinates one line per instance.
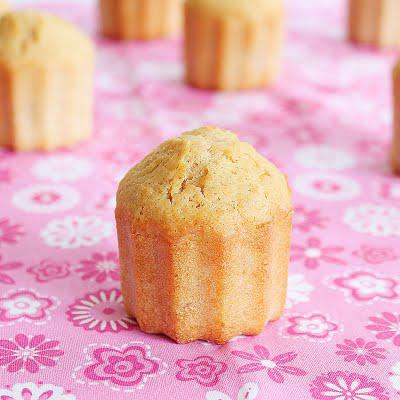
(246, 356)
(250, 368)
(285, 357)
(262, 352)
(275, 375)
(292, 370)
(7, 280)
(22, 340)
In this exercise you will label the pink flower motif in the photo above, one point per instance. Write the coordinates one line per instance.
(48, 271)
(275, 366)
(304, 220)
(376, 255)
(129, 367)
(314, 254)
(387, 326)
(174, 96)
(5, 175)
(4, 278)
(119, 157)
(102, 311)
(305, 134)
(374, 149)
(203, 370)
(360, 351)
(366, 286)
(100, 267)
(29, 353)
(314, 326)
(391, 191)
(341, 385)
(9, 233)
(24, 305)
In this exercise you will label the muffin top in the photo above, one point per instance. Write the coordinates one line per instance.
(205, 176)
(254, 9)
(29, 37)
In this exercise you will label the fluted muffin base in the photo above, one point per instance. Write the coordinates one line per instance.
(229, 53)
(137, 19)
(374, 22)
(199, 284)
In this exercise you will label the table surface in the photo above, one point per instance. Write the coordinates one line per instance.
(327, 124)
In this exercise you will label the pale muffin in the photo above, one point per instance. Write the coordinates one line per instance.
(204, 226)
(140, 19)
(374, 22)
(46, 80)
(233, 44)
(3, 6)
(395, 149)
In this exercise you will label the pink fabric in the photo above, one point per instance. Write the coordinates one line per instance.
(327, 124)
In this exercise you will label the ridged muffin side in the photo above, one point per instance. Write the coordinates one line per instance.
(137, 19)
(204, 228)
(374, 22)
(46, 82)
(395, 149)
(233, 45)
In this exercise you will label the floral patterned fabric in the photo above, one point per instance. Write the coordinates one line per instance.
(64, 334)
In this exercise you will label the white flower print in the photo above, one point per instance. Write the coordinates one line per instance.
(46, 198)
(31, 391)
(248, 391)
(326, 186)
(165, 71)
(21, 305)
(324, 157)
(75, 232)
(62, 168)
(298, 290)
(102, 311)
(123, 109)
(231, 108)
(395, 376)
(376, 220)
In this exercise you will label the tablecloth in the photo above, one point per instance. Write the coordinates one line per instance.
(327, 124)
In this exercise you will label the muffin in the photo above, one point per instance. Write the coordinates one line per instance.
(395, 150)
(204, 226)
(140, 19)
(46, 80)
(3, 6)
(233, 44)
(374, 22)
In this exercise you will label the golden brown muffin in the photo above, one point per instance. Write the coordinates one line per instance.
(46, 80)
(395, 150)
(374, 22)
(233, 44)
(140, 19)
(204, 225)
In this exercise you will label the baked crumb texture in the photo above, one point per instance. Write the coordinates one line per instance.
(138, 19)
(374, 22)
(46, 82)
(204, 226)
(233, 45)
(395, 150)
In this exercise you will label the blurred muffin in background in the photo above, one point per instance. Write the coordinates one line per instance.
(3, 6)
(233, 44)
(395, 152)
(140, 19)
(374, 22)
(46, 81)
